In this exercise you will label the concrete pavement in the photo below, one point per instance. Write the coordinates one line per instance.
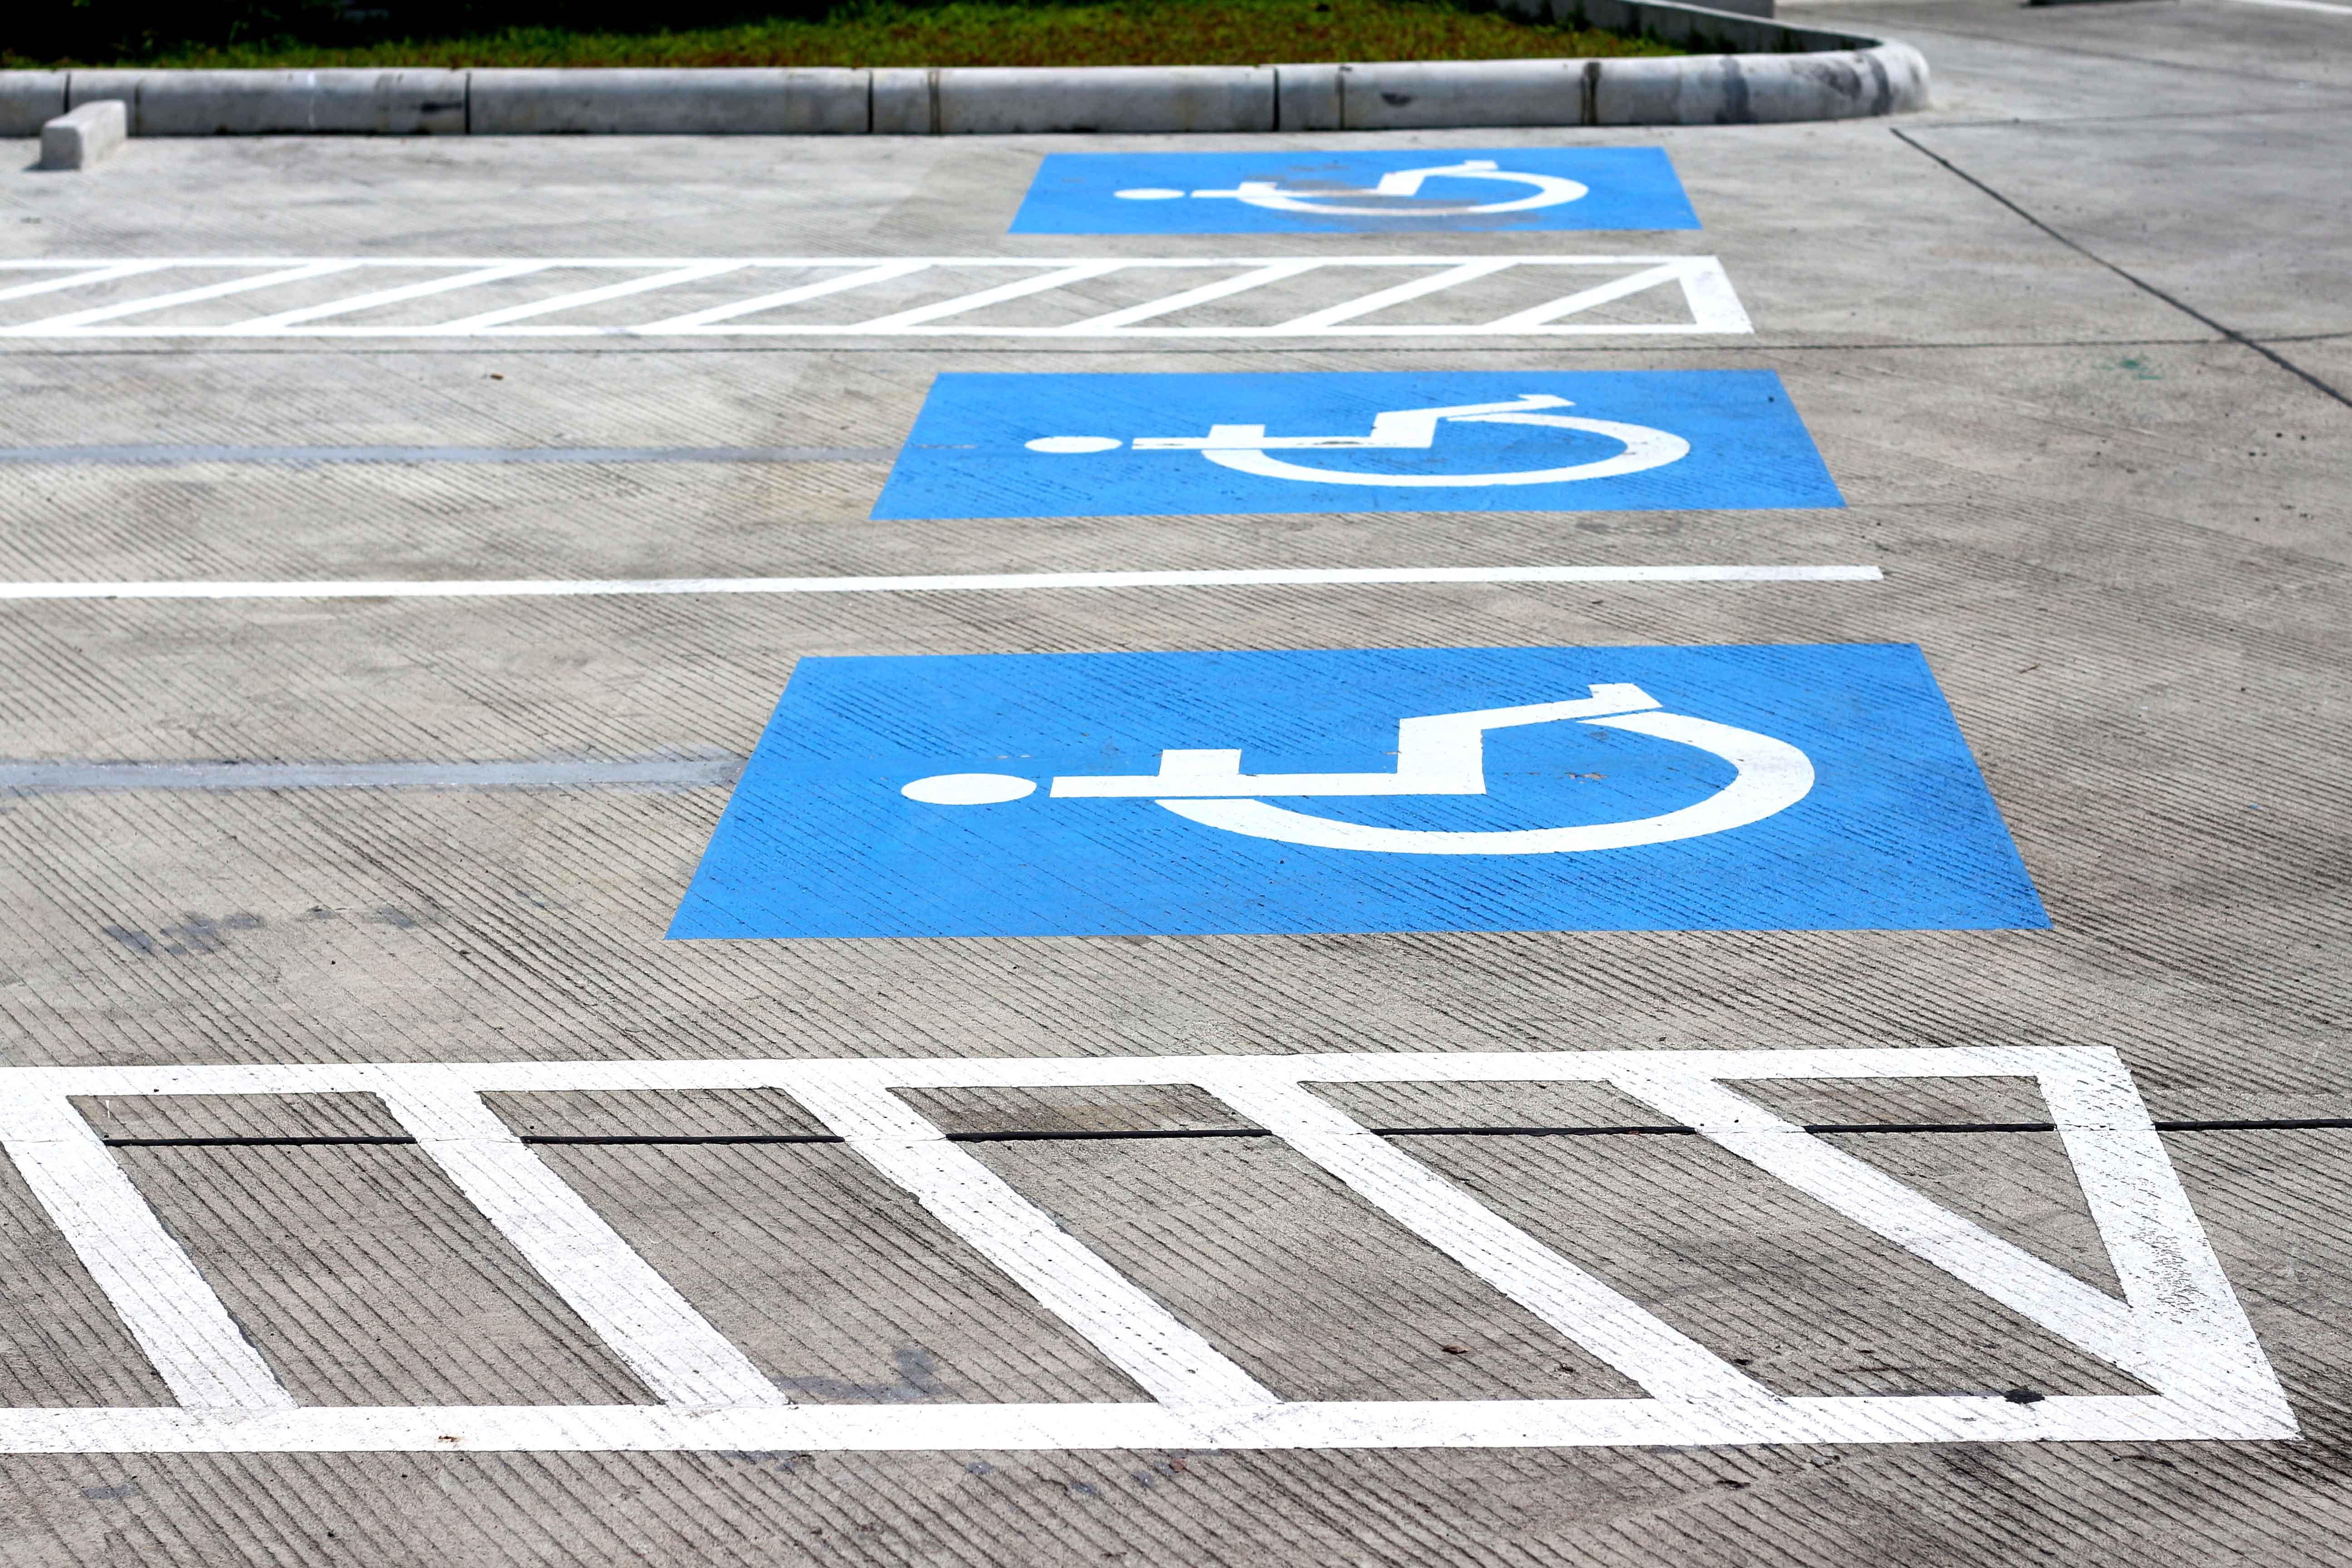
(2071, 346)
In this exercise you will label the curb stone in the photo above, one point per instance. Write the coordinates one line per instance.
(1765, 71)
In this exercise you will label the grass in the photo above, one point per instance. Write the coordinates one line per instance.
(976, 33)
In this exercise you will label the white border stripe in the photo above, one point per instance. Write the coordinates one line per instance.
(1274, 577)
(196, 1347)
(672, 1348)
(1706, 290)
(1647, 1351)
(1174, 1363)
(2178, 1327)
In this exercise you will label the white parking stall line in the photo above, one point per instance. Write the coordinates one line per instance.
(1172, 1363)
(671, 1348)
(1600, 294)
(2178, 1327)
(922, 315)
(1452, 281)
(1168, 305)
(859, 277)
(1396, 294)
(694, 273)
(394, 296)
(187, 1334)
(990, 582)
(1668, 1363)
(55, 326)
(2117, 1332)
(2178, 1293)
(95, 275)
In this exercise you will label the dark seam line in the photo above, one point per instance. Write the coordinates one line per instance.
(291, 1140)
(1035, 1137)
(2275, 1124)
(2141, 284)
(682, 1138)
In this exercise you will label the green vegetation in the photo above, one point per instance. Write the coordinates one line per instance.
(973, 33)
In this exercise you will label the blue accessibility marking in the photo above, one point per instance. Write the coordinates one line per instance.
(1296, 191)
(1015, 444)
(1361, 790)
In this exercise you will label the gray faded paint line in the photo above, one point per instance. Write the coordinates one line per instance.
(682, 772)
(171, 456)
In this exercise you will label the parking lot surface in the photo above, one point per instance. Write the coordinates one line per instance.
(710, 860)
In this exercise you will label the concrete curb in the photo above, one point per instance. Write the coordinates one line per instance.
(1781, 73)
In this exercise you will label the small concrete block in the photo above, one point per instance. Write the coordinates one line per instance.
(81, 138)
(30, 100)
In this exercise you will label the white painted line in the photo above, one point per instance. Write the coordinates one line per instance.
(1369, 1423)
(60, 325)
(1397, 294)
(2178, 1327)
(75, 281)
(196, 1347)
(858, 278)
(1706, 291)
(1600, 294)
(2298, 5)
(267, 324)
(1667, 1362)
(634, 286)
(995, 582)
(1022, 289)
(2049, 1295)
(1172, 1363)
(671, 1348)
(1168, 305)
(2177, 1293)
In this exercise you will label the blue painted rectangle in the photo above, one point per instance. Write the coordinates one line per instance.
(1880, 821)
(1036, 444)
(1301, 190)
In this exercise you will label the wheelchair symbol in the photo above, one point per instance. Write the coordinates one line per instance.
(1246, 447)
(1437, 755)
(1397, 188)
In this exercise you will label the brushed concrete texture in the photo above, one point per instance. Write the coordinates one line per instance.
(2114, 520)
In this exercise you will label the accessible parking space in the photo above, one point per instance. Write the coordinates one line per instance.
(1484, 847)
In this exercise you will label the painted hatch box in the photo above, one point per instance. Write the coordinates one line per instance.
(1361, 790)
(1293, 190)
(1012, 443)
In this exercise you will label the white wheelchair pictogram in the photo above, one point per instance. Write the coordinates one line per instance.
(1398, 191)
(1247, 448)
(1437, 755)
